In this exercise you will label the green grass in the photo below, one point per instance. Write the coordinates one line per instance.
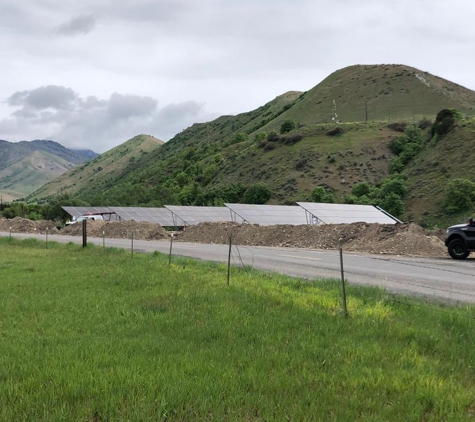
(95, 335)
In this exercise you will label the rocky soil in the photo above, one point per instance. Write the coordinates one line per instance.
(400, 239)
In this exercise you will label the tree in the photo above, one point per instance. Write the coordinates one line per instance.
(360, 189)
(459, 195)
(394, 184)
(239, 137)
(320, 194)
(260, 136)
(258, 193)
(393, 204)
(287, 126)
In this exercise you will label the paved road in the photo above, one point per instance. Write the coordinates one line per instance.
(445, 279)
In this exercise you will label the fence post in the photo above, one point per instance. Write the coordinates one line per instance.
(10, 237)
(170, 253)
(84, 233)
(343, 291)
(46, 241)
(103, 239)
(132, 245)
(229, 257)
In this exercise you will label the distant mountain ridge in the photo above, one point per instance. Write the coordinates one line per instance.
(27, 165)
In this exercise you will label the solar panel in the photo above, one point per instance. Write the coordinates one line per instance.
(189, 215)
(151, 215)
(76, 212)
(267, 215)
(319, 213)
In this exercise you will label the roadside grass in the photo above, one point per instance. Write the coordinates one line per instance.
(95, 335)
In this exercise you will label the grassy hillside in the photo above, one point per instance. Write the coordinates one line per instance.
(103, 172)
(215, 161)
(442, 160)
(379, 93)
(26, 166)
(94, 335)
(32, 172)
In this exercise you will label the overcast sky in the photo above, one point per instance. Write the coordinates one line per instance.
(94, 73)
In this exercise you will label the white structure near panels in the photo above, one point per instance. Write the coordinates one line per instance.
(268, 215)
(319, 213)
(189, 215)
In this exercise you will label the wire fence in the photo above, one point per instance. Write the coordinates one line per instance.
(432, 293)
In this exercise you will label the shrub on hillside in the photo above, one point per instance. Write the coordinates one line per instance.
(258, 193)
(270, 146)
(291, 139)
(398, 126)
(424, 123)
(320, 194)
(287, 126)
(459, 195)
(273, 136)
(336, 131)
(260, 136)
(444, 122)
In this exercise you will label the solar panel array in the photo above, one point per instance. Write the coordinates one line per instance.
(161, 216)
(268, 215)
(344, 213)
(189, 215)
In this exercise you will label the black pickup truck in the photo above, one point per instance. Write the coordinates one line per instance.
(460, 240)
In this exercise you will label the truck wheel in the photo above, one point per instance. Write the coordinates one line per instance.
(457, 249)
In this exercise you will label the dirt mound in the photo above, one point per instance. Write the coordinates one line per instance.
(398, 239)
(23, 225)
(118, 230)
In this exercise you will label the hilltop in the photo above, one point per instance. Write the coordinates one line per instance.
(339, 135)
(26, 166)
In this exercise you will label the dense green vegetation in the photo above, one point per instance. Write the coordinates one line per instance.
(97, 335)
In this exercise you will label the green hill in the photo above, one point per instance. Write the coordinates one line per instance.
(103, 172)
(212, 162)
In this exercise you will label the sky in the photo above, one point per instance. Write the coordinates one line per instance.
(92, 74)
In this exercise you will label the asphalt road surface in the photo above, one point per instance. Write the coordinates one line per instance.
(444, 279)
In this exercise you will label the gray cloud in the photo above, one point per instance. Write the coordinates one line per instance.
(51, 96)
(126, 106)
(60, 114)
(79, 25)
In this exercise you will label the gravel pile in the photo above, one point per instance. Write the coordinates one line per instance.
(118, 230)
(23, 225)
(399, 239)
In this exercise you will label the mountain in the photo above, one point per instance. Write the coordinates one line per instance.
(103, 172)
(339, 134)
(26, 166)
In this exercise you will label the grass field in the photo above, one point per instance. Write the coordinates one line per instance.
(96, 335)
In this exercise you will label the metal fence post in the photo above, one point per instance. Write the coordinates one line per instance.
(343, 291)
(84, 233)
